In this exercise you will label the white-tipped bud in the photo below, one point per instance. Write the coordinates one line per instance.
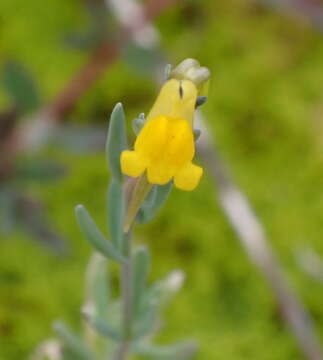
(179, 72)
(198, 76)
(190, 69)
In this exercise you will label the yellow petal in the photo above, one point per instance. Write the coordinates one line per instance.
(152, 138)
(132, 164)
(188, 177)
(184, 106)
(159, 174)
(177, 99)
(164, 102)
(179, 148)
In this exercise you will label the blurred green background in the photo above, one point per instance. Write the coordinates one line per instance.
(265, 109)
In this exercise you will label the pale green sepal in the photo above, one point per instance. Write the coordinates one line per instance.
(74, 344)
(138, 123)
(95, 236)
(139, 193)
(151, 198)
(116, 211)
(116, 140)
(154, 201)
(200, 101)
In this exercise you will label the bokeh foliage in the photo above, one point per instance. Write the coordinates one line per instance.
(265, 109)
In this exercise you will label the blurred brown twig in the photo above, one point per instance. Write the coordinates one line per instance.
(310, 262)
(36, 131)
(309, 10)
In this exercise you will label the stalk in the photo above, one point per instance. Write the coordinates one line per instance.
(126, 298)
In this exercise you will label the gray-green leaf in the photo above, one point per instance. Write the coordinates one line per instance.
(97, 284)
(95, 236)
(147, 323)
(116, 140)
(103, 327)
(74, 344)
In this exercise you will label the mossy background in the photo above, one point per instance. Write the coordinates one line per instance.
(265, 109)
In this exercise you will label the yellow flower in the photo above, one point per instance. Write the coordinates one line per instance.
(165, 146)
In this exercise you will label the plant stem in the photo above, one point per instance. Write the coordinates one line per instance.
(126, 287)
(122, 351)
(126, 298)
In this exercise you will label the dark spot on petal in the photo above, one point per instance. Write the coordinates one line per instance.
(181, 91)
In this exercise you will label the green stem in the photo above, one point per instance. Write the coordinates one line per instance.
(122, 351)
(126, 287)
(126, 298)
(139, 193)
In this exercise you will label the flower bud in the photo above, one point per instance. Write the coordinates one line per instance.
(190, 69)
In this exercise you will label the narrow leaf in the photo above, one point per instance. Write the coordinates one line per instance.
(153, 301)
(140, 272)
(147, 323)
(94, 235)
(74, 344)
(116, 140)
(97, 284)
(116, 210)
(103, 327)
(155, 200)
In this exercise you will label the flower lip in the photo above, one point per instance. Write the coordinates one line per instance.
(164, 149)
